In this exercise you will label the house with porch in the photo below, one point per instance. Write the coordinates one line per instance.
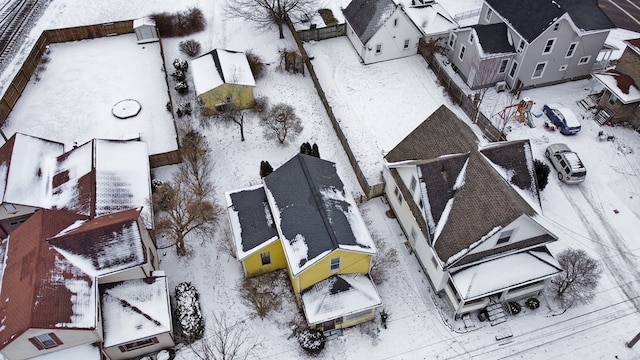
(531, 43)
(302, 218)
(380, 30)
(620, 101)
(222, 77)
(469, 213)
(83, 228)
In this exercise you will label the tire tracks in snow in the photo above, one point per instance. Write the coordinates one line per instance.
(616, 256)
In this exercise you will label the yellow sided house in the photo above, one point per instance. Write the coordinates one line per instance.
(222, 77)
(301, 218)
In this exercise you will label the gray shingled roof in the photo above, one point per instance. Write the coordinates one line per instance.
(299, 189)
(366, 17)
(486, 199)
(530, 18)
(254, 214)
(493, 38)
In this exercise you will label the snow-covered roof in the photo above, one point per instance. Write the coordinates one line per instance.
(338, 296)
(431, 19)
(505, 272)
(27, 164)
(251, 220)
(103, 245)
(92, 179)
(366, 17)
(135, 309)
(313, 212)
(219, 67)
(621, 85)
(145, 21)
(41, 288)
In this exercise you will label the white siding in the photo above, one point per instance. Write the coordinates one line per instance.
(22, 348)
(391, 38)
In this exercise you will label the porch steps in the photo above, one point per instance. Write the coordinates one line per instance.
(496, 314)
(587, 103)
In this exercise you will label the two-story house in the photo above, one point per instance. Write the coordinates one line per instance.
(620, 101)
(302, 219)
(469, 213)
(530, 43)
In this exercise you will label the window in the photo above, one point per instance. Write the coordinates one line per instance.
(504, 237)
(434, 261)
(548, 47)
(335, 264)
(414, 182)
(422, 205)
(138, 344)
(228, 99)
(406, 44)
(395, 22)
(584, 60)
(613, 99)
(398, 194)
(539, 70)
(503, 66)
(514, 67)
(452, 40)
(487, 16)
(471, 37)
(563, 67)
(556, 26)
(571, 50)
(414, 234)
(10, 209)
(265, 257)
(461, 55)
(378, 48)
(521, 45)
(45, 341)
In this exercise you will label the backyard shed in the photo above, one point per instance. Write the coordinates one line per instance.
(145, 29)
(222, 77)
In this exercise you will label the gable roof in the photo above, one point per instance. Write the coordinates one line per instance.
(531, 18)
(103, 245)
(493, 38)
(25, 170)
(135, 309)
(219, 67)
(249, 212)
(467, 190)
(313, 212)
(431, 18)
(366, 17)
(40, 287)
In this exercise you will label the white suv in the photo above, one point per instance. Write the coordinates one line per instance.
(570, 168)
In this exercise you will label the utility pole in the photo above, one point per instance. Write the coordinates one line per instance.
(633, 341)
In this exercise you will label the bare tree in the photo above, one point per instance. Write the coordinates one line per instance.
(264, 13)
(183, 205)
(281, 121)
(235, 115)
(226, 340)
(264, 292)
(384, 261)
(577, 283)
(484, 74)
(226, 243)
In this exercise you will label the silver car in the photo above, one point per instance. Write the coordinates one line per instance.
(570, 168)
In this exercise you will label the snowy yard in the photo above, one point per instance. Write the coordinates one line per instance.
(377, 106)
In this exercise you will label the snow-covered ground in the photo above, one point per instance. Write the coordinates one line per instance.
(377, 106)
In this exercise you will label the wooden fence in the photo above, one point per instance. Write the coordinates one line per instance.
(466, 103)
(322, 33)
(21, 79)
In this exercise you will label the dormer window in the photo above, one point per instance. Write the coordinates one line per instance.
(504, 237)
(555, 27)
(395, 22)
(487, 16)
(9, 208)
(414, 183)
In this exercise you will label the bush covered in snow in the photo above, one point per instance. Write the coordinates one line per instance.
(182, 87)
(312, 341)
(179, 75)
(181, 65)
(532, 303)
(188, 313)
(514, 308)
(190, 47)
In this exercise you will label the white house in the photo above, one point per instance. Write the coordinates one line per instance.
(469, 213)
(380, 30)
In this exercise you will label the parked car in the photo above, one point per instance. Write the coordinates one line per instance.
(563, 118)
(570, 168)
